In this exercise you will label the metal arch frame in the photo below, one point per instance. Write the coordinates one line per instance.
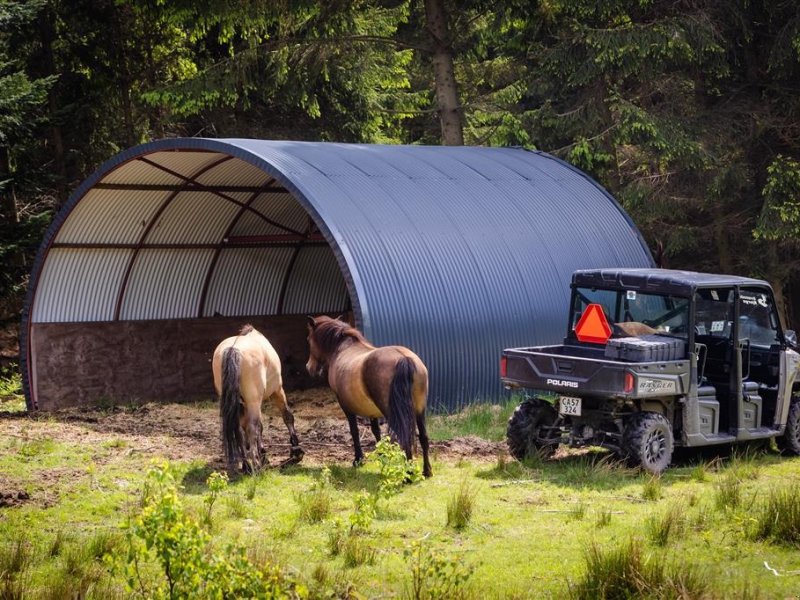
(307, 238)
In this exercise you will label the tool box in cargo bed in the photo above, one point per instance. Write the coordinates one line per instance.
(646, 348)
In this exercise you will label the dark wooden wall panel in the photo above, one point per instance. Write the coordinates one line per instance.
(144, 361)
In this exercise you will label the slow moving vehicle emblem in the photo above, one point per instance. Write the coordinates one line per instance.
(593, 326)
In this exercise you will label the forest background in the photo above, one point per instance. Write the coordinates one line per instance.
(687, 111)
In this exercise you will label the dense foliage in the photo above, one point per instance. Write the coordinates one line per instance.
(688, 111)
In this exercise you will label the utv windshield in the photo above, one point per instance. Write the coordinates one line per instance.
(632, 313)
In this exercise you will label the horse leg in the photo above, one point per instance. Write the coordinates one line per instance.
(279, 400)
(423, 441)
(376, 429)
(262, 448)
(359, 459)
(251, 426)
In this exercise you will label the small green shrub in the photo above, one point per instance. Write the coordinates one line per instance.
(217, 483)
(777, 517)
(460, 506)
(364, 511)
(437, 575)
(395, 469)
(669, 525)
(189, 566)
(10, 383)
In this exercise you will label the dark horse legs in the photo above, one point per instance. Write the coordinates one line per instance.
(376, 429)
(423, 441)
(351, 420)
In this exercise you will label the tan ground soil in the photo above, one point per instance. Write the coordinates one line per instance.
(189, 431)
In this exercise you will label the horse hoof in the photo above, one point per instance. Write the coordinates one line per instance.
(297, 453)
(359, 462)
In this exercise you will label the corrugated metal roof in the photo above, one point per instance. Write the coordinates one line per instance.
(456, 252)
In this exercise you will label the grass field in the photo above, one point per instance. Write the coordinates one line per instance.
(579, 525)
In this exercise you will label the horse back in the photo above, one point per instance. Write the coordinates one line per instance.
(380, 367)
(259, 363)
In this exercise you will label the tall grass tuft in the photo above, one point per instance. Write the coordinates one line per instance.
(461, 506)
(315, 504)
(728, 491)
(595, 469)
(357, 550)
(626, 572)
(16, 556)
(652, 489)
(777, 517)
(669, 525)
(603, 518)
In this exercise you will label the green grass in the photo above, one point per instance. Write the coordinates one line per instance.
(488, 421)
(526, 536)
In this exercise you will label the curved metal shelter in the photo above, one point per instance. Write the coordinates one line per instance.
(456, 252)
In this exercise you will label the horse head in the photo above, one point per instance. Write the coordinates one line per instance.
(325, 336)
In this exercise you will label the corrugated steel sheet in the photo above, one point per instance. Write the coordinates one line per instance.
(247, 281)
(165, 284)
(315, 284)
(79, 285)
(456, 252)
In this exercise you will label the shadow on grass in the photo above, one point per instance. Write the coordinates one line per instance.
(598, 470)
(354, 479)
(194, 480)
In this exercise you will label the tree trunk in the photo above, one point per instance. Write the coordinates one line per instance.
(47, 30)
(8, 201)
(444, 74)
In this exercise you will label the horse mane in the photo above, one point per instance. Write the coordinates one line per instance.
(332, 334)
(246, 329)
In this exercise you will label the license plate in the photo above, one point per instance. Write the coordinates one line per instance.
(567, 405)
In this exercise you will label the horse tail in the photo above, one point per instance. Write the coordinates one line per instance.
(401, 411)
(230, 402)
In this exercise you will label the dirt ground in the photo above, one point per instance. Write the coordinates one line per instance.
(190, 431)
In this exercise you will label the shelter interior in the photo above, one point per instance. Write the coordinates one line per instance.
(142, 280)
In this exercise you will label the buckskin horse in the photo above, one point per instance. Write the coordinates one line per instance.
(247, 371)
(371, 382)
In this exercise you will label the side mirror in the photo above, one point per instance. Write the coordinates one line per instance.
(790, 335)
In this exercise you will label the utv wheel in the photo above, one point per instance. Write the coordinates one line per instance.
(647, 441)
(789, 442)
(527, 432)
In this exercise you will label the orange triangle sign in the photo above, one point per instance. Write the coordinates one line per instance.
(593, 326)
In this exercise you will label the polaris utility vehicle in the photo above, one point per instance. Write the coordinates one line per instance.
(655, 359)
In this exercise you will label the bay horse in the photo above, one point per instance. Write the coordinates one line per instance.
(371, 382)
(247, 370)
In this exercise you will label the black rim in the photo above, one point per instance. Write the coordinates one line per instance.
(655, 447)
